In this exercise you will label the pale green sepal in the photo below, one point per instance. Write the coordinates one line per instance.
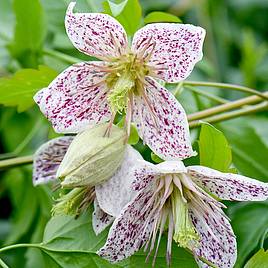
(92, 157)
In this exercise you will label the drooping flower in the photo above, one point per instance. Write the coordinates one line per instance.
(124, 81)
(170, 195)
(93, 186)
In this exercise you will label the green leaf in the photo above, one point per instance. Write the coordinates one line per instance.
(249, 145)
(70, 243)
(19, 89)
(25, 204)
(249, 223)
(259, 260)
(72, 234)
(156, 158)
(30, 32)
(134, 136)
(214, 150)
(34, 256)
(158, 16)
(127, 12)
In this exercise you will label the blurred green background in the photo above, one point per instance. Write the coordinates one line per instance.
(235, 51)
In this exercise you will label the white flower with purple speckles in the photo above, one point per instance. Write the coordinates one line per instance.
(92, 92)
(47, 160)
(174, 197)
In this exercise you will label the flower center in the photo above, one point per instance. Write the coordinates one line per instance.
(126, 78)
(184, 232)
(74, 202)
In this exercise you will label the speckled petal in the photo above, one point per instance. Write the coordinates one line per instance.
(39, 95)
(100, 219)
(115, 193)
(95, 34)
(221, 252)
(168, 167)
(127, 235)
(164, 126)
(174, 48)
(144, 174)
(229, 186)
(75, 99)
(48, 158)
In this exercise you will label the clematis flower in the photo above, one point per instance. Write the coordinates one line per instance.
(177, 198)
(47, 164)
(125, 80)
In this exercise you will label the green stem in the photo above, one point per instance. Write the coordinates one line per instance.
(178, 90)
(225, 107)
(227, 116)
(2, 264)
(20, 246)
(24, 142)
(210, 264)
(227, 86)
(61, 56)
(202, 259)
(207, 95)
(16, 161)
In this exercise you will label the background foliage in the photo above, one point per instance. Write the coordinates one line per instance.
(32, 35)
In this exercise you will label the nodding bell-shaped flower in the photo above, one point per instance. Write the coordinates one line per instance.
(93, 166)
(177, 199)
(125, 81)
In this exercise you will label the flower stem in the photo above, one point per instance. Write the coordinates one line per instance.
(207, 95)
(227, 116)
(202, 259)
(61, 56)
(2, 264)
(225, 107)
(23, 143)
(210, 264)
(16, 161)
(227, 86)
(20, 246)
(178, 89)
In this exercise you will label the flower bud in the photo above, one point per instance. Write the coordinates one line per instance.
(92, 157)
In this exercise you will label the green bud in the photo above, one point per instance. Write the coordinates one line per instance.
(92, 157)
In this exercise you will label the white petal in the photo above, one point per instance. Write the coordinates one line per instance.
(95, 34)
(115, 193)
(221, 251)
(172, 167)
(48, 158)
(174, 48)
(76, 98)
(128, 232)
(229, 186)
(162, 123)
(100, 219)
